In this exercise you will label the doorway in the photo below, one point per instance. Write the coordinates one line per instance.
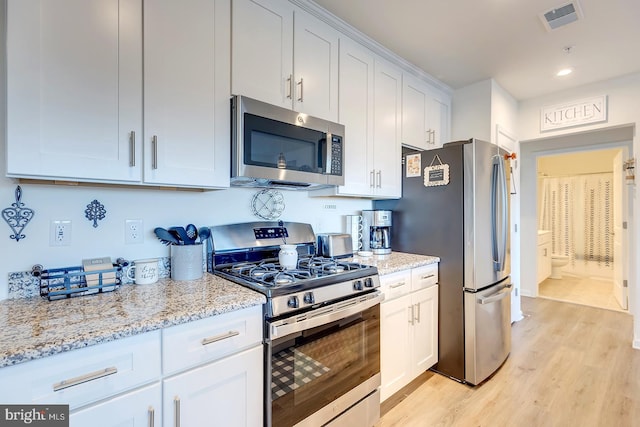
(580, 217)
(608, 138)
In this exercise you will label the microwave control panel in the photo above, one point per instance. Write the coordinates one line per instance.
(336, 155)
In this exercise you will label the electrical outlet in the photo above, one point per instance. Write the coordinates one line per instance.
(60, 233)
(133, 231)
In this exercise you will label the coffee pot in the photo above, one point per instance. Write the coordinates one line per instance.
(376, 231)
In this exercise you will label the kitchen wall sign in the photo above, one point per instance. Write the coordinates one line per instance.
(436, 175)
(574, 113)
(95, 211)
(414, 165)
(17, 216)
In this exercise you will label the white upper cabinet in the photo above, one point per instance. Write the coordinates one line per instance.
(187, 89)
(284, 56)
(74, 89)
(387, 179)
(425, 114)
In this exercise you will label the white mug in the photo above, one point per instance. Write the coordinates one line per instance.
(145, 271)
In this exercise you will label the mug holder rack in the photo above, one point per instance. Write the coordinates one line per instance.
(68, 282)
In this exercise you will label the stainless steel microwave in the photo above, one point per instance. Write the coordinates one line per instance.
(276, 147)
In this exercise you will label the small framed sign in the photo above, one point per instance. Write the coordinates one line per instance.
(414, 165)
(435, 175)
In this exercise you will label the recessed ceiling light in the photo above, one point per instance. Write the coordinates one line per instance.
(564, 72)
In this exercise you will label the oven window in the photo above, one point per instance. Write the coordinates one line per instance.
(278, 145)
(309, 370)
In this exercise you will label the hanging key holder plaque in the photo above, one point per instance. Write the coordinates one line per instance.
(436, 174)
(17, 216)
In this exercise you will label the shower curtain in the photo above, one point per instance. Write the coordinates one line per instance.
(579, 212)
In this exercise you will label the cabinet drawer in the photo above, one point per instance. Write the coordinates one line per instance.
(80, 377)
(423, 277)
(395, 284)
(194, 343)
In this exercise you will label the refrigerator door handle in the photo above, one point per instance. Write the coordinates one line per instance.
(497, 296)
(499, 220)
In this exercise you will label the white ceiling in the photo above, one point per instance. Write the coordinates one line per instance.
(460, 42)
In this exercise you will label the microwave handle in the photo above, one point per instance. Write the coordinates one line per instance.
(328, 152)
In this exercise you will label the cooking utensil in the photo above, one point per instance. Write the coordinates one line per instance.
(165, 236)
(192, 233)
(204, 233)
(181, 234)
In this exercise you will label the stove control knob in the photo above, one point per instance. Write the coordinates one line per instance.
(309, 298)
(357, 285)
(368, 282)
(293, 302)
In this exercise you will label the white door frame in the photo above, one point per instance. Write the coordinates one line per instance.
(614, 137)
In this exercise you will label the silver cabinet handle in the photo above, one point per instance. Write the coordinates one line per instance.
(290, 84)
(371, 178)
(428, 135)
(132, 148)
(397, 285)
(379, 180)
(154, 155)
(418, 310)
(85, 378)
(301, 83)
(152, 416)
(176, 411)
(427, 277)
(433, 137)
(411, 317)
(207, 341)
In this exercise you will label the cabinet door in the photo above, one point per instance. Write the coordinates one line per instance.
(425, 330)
(315, 57)
(387, 129)
(228, 392)
(415, 114)
(74, 89)
(356, 113)
(186, 54)
(438, 121)
(141, 408)
(262, 50)
(395, 336)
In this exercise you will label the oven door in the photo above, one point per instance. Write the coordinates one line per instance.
(321, 363)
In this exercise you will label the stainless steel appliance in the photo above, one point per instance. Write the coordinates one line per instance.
(322, 324)
(466, 224)
(275, 147)
(376, 231)
(335, 245)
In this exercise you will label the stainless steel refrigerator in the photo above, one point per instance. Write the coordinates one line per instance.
(455, 205)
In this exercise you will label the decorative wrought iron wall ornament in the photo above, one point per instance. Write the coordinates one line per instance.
(17, 216)
(95, 211)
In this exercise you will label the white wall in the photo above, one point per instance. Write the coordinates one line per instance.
(471, 112)
(620, 129)
(156, 207)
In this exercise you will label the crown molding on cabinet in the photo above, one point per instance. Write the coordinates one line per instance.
(345, 28)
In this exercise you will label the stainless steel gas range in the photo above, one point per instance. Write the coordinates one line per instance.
(322, 324)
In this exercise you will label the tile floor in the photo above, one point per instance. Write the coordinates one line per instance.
(590, 291)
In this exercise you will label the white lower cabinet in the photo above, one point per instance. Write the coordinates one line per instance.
(408, 326)
(211, 375)
(227, 392)
(140, 408)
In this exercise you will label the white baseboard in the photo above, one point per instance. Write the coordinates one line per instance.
(636, 344)
(527, 294)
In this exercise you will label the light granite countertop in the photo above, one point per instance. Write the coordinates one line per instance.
(396, 261)
(35, 327)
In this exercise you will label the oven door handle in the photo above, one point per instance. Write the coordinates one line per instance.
(327, 315)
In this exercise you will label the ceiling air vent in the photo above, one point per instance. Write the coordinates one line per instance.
(561, 15)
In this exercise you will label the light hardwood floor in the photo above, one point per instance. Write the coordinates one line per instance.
(570, 365)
